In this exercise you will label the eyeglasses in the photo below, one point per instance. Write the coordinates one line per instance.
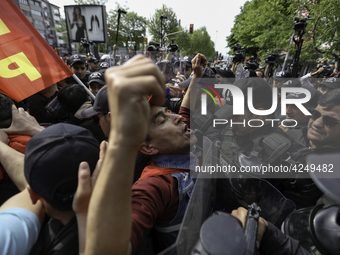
(328, 121)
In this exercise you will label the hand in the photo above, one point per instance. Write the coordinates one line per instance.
(82, 108)
(241, 214)
(129, 86)
(22, 123)
(175, 91)
(86, 183)
(3, 137)
(198, 62)
(179, 78)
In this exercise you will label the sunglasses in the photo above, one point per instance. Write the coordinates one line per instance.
(328, 121)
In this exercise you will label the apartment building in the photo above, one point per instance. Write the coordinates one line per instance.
(45, 17)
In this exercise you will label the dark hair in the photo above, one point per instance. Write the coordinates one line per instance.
(72, 97)
(74, 13)
(330, 98)
(5, 108)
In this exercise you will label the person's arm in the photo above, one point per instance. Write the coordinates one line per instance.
(20, 223)
(197, 62)
(13, 162)
(109, 218)
(22, 123)
(270, 240)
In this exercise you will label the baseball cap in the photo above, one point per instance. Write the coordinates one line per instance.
(104, 65)
(187, 61)
(76, 58)
(262, 92)
(207, 73)
(283, 74)
(291, 83)
(97, 77)
(52, 160)
(92, 59)
(315, 94)
(101, 104)
(225, 73)
(332, 83)
(165, 66)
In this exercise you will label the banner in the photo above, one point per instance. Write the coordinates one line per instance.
(28, 64)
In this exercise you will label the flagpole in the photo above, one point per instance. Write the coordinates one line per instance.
(81, 83)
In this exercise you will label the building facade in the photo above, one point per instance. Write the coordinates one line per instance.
(45, 17)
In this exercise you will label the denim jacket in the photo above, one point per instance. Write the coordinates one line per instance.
(168, 232)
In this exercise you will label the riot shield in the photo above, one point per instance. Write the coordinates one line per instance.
(198, 210)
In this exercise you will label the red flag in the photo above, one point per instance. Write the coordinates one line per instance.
(28, 64)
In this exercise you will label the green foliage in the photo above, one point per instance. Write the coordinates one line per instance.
(132, 27)
(198, 42)
(263, 27)
(169, 25)
(325, 27)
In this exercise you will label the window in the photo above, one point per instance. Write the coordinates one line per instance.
(46, 14)
(42, 32)
(35, 3)
(44, 5)
(47, 23)
(27, 13)
(24, 2)
(36, 13)
(56, 11)
(56, 18)
(38, 22)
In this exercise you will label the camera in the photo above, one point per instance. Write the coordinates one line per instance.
(172, 47)
(252, 64)
(239, 55)
(300, 25)
(153, 46)
(272, 58)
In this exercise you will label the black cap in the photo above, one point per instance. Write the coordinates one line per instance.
(76, 58)
(165, 66)
(101, 104)
(52, 159)
(92, 60)
(283, 74)
(292, 83)
(187, 61)
(315, 94)
(104, 65)
(98, 77)
(332, 83)
(262, 92)
(225, 73)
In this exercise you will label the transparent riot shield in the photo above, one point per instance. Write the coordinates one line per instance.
(198, 210)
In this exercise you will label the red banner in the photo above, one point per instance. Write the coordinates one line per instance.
(28, 64)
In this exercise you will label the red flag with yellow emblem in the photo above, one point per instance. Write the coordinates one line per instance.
(28, 64)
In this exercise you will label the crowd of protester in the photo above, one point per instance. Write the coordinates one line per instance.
(112, 175)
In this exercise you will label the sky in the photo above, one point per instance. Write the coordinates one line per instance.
(216, 16)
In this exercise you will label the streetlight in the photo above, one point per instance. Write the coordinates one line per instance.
(119, 12)
(162, 17)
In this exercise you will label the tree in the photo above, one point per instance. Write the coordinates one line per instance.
(169, 25)
(325, 28)
(263, 27)
(198, 42)
(97, 2)
(132, 27)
